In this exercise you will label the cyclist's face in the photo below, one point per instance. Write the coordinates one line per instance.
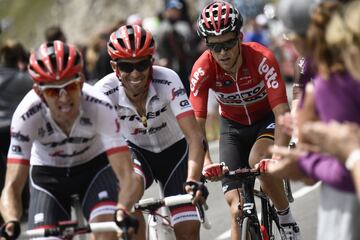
(134, 73)
(225, 49)
(63, 98)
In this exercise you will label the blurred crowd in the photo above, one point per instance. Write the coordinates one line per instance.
(317, 44)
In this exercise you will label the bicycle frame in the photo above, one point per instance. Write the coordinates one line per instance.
(262, 229)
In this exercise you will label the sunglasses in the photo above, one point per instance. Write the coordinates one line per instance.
(128, 67)
(57, 90)
(227, 45)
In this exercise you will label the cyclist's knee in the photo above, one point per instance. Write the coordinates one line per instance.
(233, 201)
(187, 230)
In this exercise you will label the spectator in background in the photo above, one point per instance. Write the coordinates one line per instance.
(102, 65)
(257, 30)
(15, 82)
(173, 40)
(335, 86)
(54, 33)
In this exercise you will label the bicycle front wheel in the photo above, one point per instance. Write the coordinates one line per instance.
(249, 231)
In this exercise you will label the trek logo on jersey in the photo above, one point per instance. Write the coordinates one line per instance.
(111, 91)
(18, 136)
(149, 115)
(195, 78)
(31, 112)
(62, 154)
(177, 93)
(98, 101)
(150, 131)
(85, 121)
(49, 128)
(160, 81)
(270, 74)
(73, 140)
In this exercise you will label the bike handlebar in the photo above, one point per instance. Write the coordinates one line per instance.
(153, 204)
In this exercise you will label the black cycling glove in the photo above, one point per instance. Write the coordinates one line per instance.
(127, 221)
(195, 186)
(16, 233)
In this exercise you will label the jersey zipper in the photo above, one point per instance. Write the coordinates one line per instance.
(239, 92)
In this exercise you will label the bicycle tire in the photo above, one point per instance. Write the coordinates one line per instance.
(249, 231)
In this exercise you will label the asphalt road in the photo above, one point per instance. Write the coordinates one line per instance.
(304, 208)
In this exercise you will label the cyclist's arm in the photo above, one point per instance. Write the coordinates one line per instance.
(10, 204)
(130, 191)
(197, 146)
(202, 122)
(281, 139)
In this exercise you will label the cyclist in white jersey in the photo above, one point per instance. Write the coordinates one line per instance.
(158, 122)
(64, 133)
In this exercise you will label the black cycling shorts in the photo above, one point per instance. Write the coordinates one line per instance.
(51, 189)
(236, 141)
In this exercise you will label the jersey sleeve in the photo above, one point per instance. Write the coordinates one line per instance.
(22, 135)
(179, 101)
(268, 69)
(108, 126)
(200, 78)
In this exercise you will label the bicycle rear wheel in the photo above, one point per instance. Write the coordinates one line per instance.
(249, 231)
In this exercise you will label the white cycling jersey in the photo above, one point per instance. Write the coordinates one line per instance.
(36, 137)
(166, 103)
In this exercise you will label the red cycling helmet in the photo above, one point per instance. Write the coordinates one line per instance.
(218, 18)
(54, 61)
(130, 41)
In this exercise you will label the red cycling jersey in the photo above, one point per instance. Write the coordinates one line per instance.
(258, 88)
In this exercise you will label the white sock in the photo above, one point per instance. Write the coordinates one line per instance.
(285, 216)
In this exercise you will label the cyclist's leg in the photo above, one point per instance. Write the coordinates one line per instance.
(46, 208)
(272, 186)
(100, 199)
(172, 177)
(144, 176)
(235, 144)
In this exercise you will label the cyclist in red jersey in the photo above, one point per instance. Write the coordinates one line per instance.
(251, 93)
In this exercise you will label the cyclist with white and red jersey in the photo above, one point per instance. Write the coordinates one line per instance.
(251, 93)
(62, 141)
(158, 121)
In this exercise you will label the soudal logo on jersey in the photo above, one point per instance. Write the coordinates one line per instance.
(177, 93)
(270, 74)
(226, 83)
(31, 111)
(160, 81)
(149, 115)
(252, 95)
(73, 140)
(194, 80)
(18, 136)
(149, 131)
(111, 91)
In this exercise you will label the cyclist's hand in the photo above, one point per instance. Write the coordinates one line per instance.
(214, 171)
(198, 190)
(128, 224)
(10, 230)
(262, 166)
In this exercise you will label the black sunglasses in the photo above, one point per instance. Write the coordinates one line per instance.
(128, 67)
(216, 47)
